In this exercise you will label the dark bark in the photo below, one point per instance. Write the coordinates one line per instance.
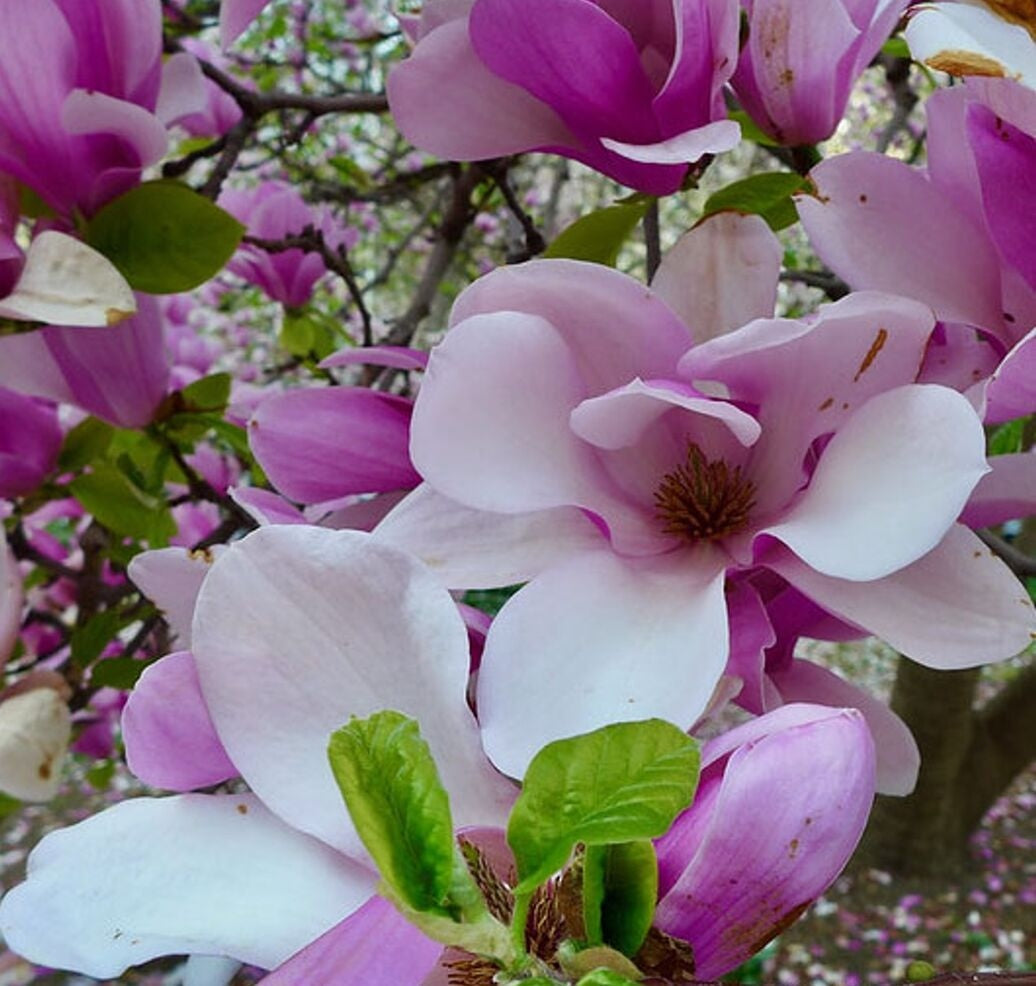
(969, 757)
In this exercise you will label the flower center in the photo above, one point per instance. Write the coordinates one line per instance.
(702, 500)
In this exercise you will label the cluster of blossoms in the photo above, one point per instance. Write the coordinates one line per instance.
(683, 483)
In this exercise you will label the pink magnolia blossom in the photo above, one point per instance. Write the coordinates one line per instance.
(955, 235)
(30, 439)
(802, 58)
(83, 107)
(273, 211)
(235, 16)
(633, 88)
(564, 404)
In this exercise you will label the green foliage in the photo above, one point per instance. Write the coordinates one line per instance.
(750, 130)
(919, 970)
(1009, 437)
(605, 977)
(490, 601)
(121, 505)
(211, 393)
(85, 443)
(599, 236)
(768, 195)
(118, 672)
(163, 237)
(620, 889)
(9, 805)
(620, 783)
(87, 641)
(308, 333)
(100, 774)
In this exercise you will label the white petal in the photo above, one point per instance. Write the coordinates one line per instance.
(208, 874)
(685, 148)
(35, 727)
(66, 282)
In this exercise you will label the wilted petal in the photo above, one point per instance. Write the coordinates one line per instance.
(974, 609)
(300, 628)
(35, 727)
(874, 506)
(598, 640)
(169, 736)
(209, 874)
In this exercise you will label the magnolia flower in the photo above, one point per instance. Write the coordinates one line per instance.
(272, 211)
(564, 404)
(802, 58)
(996, 38)
(84, 97)
(257, 876)
(235, 16)
(633, 89)
(30, 439)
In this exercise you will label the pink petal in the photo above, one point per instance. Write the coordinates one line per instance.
(474, 549)
(898, 758)
(319, 444)
(210, 874)
(235, 16)
(939, 255)
(741, 881)
(1011, 391)
(265, 506)
(597, 640)
(299, 628)
(445, 101)
(889, 484)
(975, 610)
(375, 946)
(722, 274)
(1006, 492)
(85, 112)
(169, 736)
(397, 357)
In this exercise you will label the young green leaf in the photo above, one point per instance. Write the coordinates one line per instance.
(605, 977)
(401, 811)
(620, 783)
(122, 506)
(620, 888)
(767, 195)
(599, 236)
(164, 237)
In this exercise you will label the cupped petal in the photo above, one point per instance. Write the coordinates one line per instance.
(208, 874)
(1006, 492)
(474, 549)
(889, 484)
(300, 628)
(614, 327)
(742, 882)
(619, 418)
(66, 282)
(722, 274)
(375, 946)
(171, 578)
(939, 255)
(897, 756)
(445, 101)
(572, 56)
(319, 444)
(170, 740)
(966, 39)
(975, 610)
(85, 112)
(599, 639)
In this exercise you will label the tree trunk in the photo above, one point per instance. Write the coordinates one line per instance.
(968, 758)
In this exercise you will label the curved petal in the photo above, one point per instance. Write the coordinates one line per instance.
(1011, 390)
(398, 357)
(299, 628)
(743, 882)
(613, 326)
(975, 610)
(171, 578)
(685, 148)
(170, 740)
(897, 756)
(474, 549)
(722, 274)
(183, 88)
(889, 484)
(85, 112)
(209, 874)
(445, 101)
(235, 16)
(938, 255)
(1006, 492)
(375, 946)
(598, 640)
(321, 443)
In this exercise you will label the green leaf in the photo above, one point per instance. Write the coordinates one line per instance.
(305, 332)
(605, 977)
(1009, 437)
(85, 443)
(163, 237)
(896, 47)
(750, 130)
(599, 236)
(87, 642)
(118, 672)
(401, 811)
(767, 195)
(9, 805)
(121, 506)
(100, 775)
(620, 887)
(209, 394)
(620, 783)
